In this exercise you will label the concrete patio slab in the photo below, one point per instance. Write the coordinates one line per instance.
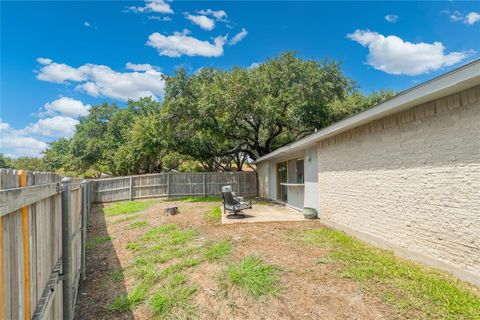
(266, 213)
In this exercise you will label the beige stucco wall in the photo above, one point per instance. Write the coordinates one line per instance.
(263, 179)
(411, 182)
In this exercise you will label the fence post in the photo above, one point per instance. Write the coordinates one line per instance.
(84, 228)
(67, 249)
(168, 184)
(131, 188)
(204, 186)
(87, 194)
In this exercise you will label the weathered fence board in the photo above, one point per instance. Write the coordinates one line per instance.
(172, 184)
(31, 244)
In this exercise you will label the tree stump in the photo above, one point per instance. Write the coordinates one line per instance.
(170, 211)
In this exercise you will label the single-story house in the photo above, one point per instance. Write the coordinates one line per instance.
(404, 174)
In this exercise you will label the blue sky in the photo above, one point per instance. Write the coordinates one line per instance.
(59, 58)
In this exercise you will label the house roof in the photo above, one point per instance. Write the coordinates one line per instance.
(456, 80)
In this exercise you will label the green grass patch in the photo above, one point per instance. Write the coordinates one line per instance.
(217, 251)
(255, 276)
(116, 275)
(127, 207)
(138, 224)
(162, 254)
(96, 241)
(134, 246)
(170, 235)
(215, 214)
(126, 302)
(180, 266)
(411, 288)
(146, 272)
(160, 245)
(173, 300)
(198, 199)
(128, 217)
(159, 231)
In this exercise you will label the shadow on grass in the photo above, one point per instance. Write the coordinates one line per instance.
(105, 277)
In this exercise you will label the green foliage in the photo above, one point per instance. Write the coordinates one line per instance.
(222, 116)
(169, 234)
(163, 229)
(210, 120)
(355, 103)
(160, 245)
(174, 299)
(116, 275)
(127, 207)
(29, 164)
(134, 246)
(5, 162)
(92, 243)
(408, 286)
(214, 215)
(217, 251)
(23, 163)
(255, 276)
(138, 224)
(126, 302)
(180, 266)
(57, 157)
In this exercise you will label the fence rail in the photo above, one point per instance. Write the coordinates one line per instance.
(43, 223)
(172, 184)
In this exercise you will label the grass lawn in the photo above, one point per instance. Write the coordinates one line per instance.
(410, 287)
(189, 266)
(127, 207)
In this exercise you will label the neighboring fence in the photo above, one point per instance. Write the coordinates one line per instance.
(173, 184)
(43, 224)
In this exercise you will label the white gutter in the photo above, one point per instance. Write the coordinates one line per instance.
(456, 80)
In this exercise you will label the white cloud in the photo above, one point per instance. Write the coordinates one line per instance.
(158, 6)
(166, 18)
(391, 18)
(89, 25)
(57, 126)
(44, 60)
(472, 17)
(58, 72)
(31, 140)
(67, 107)
(180, 43)
(456, 16)
(219, 15)
(393, 55)
(140, 67)
(18, 144)
(100, 80)
(238, 37)
(468, 19)
(203, 22)
(254, 65)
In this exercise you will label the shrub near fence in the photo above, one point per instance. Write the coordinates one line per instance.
(173, 184)
(43, 220)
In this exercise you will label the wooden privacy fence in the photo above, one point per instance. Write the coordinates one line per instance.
(173, 184)
(43, 225)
